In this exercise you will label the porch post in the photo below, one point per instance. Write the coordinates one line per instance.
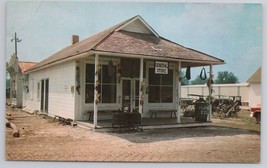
(178, 79)
(210, 93)
(141, 86)
(96, 97)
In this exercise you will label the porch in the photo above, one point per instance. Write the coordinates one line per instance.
(147, 123)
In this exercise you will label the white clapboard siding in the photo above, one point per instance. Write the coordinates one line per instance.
(61, 99)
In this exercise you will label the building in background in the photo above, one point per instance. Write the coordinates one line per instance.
(16, 69)
(250, 92)
(255, 88)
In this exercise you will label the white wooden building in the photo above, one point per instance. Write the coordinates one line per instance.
(128, 63)
(16, 69)
(255, 88)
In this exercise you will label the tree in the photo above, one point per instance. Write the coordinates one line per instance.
(224, 77)
(198, 81)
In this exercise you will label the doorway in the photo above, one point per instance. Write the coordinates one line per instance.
(44, 95)
(130, 94)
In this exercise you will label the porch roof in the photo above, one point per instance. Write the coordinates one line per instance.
(116, 40)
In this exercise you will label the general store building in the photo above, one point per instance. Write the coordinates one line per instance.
(129, 64)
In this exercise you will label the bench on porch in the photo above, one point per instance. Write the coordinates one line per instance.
(91, 113)
(63, 120)
(154, 112)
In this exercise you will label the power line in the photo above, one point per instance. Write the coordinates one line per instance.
(37, 9)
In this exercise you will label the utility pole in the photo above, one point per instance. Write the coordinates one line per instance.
(16, 41)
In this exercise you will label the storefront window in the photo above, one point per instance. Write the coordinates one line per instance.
(107, 84)
(160, 87)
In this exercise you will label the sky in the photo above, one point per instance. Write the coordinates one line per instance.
(229, 31)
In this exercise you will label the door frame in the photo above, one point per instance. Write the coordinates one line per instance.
(44, 96)
(132, 92)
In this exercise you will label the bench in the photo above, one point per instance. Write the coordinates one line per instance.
(63, 120)
(91, 113)
(154, 112)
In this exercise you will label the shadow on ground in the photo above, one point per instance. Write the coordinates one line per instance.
(148, 136)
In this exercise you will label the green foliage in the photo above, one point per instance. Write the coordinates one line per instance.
(225, 77)
(198, 81)
(7, 77)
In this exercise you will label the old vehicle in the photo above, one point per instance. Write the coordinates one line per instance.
(256, 112)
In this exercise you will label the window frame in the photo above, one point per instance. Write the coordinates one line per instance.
(38, 90)
(101, 84)
(160, 85)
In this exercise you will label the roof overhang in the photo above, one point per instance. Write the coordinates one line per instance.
(185, 62)
(70, 58)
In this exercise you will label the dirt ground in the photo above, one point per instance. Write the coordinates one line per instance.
(41, 138)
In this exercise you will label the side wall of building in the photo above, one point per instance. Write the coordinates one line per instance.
(61, 92)
(255, 94)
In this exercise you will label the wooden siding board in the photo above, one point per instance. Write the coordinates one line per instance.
(61, 100)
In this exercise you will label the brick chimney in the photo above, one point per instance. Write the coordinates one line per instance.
(75, 39)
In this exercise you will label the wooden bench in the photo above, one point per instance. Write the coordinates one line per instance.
(154, 112)
(91, 113)
(63, 120)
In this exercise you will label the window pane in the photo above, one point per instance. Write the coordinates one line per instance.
(108, 93)
(154, 79)
(108, 74)
(89, 93)
(154, 94)
(90, 73)
(168, 78)
(166, 94)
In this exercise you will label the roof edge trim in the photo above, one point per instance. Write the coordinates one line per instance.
(143, 21)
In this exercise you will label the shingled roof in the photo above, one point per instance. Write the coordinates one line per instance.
(24, 66)
(121, 39)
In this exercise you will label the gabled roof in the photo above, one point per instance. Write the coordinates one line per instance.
(256, 77)
(24, 66)
(137, 25)
(150, 45)
(133, 36)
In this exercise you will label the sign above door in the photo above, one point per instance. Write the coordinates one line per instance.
(161, 67)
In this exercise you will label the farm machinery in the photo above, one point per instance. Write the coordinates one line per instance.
(195, 108)
(221, 107)
(226, 107)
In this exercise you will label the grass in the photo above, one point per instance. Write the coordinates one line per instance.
(242, 121)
